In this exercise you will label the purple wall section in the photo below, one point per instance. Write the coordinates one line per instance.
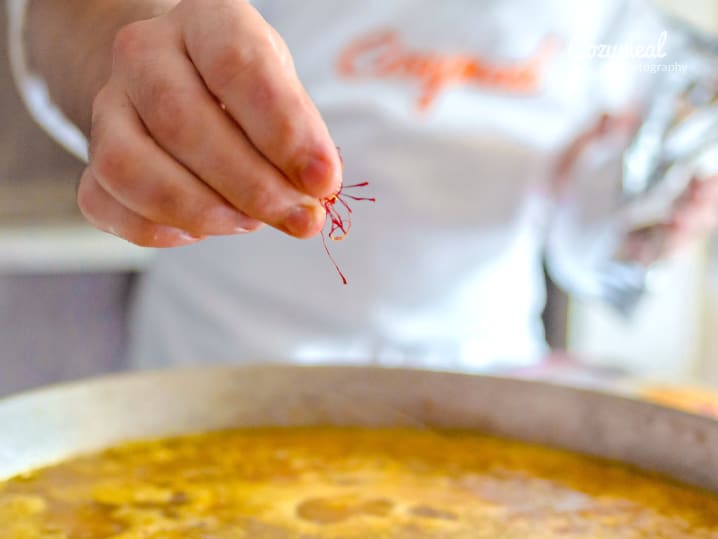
(52, 328)
(58, 328)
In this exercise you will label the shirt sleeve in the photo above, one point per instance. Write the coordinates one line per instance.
(33, 89)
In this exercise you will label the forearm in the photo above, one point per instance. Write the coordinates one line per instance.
(69, 44)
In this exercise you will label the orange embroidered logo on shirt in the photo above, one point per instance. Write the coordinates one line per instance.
(384, 55)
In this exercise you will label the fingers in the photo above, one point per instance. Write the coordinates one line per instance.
(647, 245)
(188, 123)
(697, 211)
(695, 216)
(204, 129)
(621, 124)
(133, 169)
(106, 213)
(255, 79)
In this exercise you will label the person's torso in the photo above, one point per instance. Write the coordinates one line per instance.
(454, 112)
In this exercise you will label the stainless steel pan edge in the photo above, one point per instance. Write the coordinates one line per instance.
(45, 426)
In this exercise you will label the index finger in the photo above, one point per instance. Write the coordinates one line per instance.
(247, 66)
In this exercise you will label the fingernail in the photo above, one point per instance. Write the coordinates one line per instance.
(318, 176)
(315, 172)
(186, 236)
(300, 220)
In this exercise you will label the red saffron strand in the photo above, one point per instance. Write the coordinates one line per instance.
(329, 254)
(340, 222)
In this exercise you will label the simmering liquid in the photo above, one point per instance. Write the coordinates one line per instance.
(347, 483)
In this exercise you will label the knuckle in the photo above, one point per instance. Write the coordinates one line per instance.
(130, 41)
(86, 200)
(289, 136)
(170, 207)
(100, 100)
(110, 160)
(265, 94)
(280, 47)
(262, 201)
(169, 110)
(231, 61)
(175, 207)
(187, 6)
(190, 7)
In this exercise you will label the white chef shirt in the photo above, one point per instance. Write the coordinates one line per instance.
(455, 112)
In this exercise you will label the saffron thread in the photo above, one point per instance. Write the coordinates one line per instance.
(339, 218)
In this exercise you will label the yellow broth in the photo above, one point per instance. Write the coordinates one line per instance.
(346, 483)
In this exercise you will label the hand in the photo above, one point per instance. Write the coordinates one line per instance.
(694, 216)
(622, 125)
(696, 213)
(203, 128)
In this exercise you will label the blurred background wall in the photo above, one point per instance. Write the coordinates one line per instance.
(674, 333)
(64, 287)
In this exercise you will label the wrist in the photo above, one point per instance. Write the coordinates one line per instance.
(69, 44)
